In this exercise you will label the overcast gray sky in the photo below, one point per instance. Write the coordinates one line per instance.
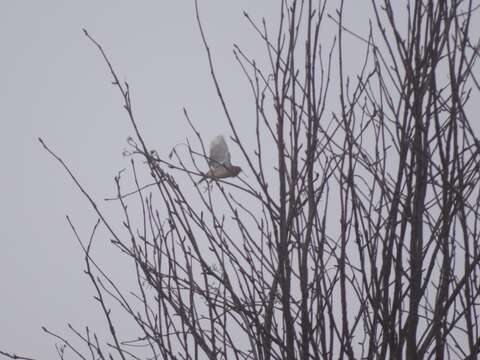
(56, 86)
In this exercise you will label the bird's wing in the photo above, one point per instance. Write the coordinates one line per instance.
(219, 154)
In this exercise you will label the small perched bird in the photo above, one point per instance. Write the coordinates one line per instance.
(219, 161)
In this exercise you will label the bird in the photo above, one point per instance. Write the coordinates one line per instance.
(219, 161)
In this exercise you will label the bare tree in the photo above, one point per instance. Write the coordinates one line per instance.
(360, 241)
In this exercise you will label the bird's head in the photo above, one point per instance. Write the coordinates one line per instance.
(235, 170)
